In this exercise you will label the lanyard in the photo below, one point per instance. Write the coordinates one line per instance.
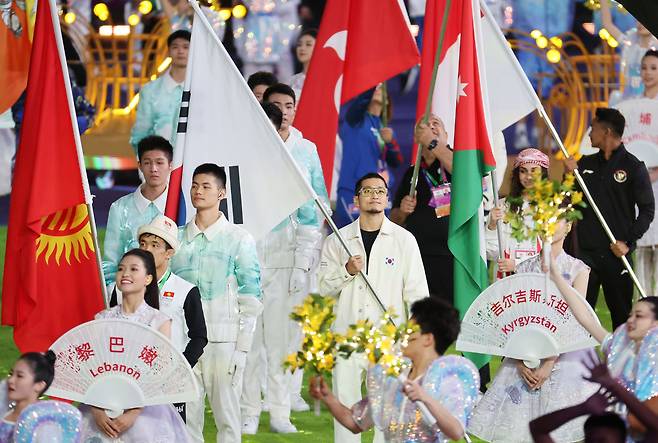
(164, 279)
(431, 181)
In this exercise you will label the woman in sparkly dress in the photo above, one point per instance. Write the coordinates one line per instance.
(31, 375)
(519, 394)
(446, 384)
(630, 352)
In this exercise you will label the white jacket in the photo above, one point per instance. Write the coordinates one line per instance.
(296, 241)
(395, 270)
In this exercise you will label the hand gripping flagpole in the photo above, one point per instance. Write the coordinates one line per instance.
(342, 241)
(590, 199)
(542, 112)
(202, 18)
(428, 104)
(78, 147)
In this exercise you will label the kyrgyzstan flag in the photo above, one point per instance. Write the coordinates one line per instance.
(361, 43)
(51, 278)
(463, 107)
(15, 53)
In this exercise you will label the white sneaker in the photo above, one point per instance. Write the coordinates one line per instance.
(250, 425)
(282, 426)
(297, 404)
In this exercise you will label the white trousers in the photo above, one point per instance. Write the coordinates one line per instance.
(254, 387)
(224, 396)
(276, 339)
(646, 266)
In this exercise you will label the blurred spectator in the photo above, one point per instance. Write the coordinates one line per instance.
(368, 146)
(310, 13)
(181, 15)
(634, 43)
(304, 52)
(263, 37)
(160, 99)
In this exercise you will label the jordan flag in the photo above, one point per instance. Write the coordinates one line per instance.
(361, 43)
(51, 278)
(463, 107)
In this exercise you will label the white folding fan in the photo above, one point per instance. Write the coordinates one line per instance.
(119, 364)
(516, 317)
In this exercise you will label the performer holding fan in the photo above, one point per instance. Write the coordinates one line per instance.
(518, 393)
(123, 367)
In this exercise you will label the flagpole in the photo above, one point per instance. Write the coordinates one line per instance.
(78, 146)
(499, 231)
(542, 112)
(342, 241)
(200, 16)
(428, 104)
(590, 199)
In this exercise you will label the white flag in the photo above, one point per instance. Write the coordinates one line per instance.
(226, 125)
(511, 96)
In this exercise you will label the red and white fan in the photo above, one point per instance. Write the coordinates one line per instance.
(119, 364)
(516, 317)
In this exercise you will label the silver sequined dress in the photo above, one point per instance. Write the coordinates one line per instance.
(451, 380)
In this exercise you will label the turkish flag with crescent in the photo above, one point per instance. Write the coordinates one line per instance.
(360, 44)
(51, 278)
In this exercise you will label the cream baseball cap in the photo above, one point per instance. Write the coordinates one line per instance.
(163, 227)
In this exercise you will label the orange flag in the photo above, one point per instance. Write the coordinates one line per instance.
(51, 279)
(14, 54)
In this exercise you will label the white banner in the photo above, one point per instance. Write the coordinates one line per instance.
(226, 125)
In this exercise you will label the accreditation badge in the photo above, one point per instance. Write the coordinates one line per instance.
(440, 199)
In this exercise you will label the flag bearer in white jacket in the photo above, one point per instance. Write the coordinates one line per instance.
(388, 254)
(287, 256)
(220, 258)
(179, 299)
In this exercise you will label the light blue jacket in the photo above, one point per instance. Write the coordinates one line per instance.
(127, 214)
(222, 262)
(158, 109)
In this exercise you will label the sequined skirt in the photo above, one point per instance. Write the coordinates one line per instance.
(504, 412)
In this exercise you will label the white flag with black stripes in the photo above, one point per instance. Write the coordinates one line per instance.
(222, 122)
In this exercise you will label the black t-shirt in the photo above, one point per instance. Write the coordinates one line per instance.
(431, 233)
(368, 239)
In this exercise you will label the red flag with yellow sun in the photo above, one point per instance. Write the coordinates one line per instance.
(51, 278)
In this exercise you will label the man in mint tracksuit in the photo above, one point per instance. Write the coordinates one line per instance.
(138, 208)
(221, 260)
(160, 99)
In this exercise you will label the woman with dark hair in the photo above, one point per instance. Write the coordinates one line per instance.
(304, 52)
(525, 166)
(630, 351)
(446, 384)
(30, 377)
(136, 278)
(518, 393)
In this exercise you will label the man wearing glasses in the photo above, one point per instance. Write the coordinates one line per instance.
(388, 254)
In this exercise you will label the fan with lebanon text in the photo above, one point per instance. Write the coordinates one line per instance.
(119, 364)
(517, 317)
